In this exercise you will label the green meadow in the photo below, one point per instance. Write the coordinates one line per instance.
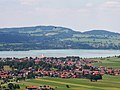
(109, 82)
(108, 62)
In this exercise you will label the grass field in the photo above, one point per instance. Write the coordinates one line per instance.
(108, 83)
(109, 62)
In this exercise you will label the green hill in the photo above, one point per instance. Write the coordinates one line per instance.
(52, 37)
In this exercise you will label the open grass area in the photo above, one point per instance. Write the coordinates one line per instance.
(108, 83)
(109, 62)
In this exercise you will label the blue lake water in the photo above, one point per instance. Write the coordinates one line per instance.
(60, 53)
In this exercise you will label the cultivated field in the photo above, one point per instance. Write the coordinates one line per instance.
(109, 62)
(109, 82)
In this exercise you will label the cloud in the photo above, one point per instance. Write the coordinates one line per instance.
(111, 4)
(60, 11)
(29, 2)
(89, 5)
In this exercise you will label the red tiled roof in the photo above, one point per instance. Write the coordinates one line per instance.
(32, 87)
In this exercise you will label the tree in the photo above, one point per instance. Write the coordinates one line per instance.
(11, 86)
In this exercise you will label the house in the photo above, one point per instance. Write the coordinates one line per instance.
(31, 88)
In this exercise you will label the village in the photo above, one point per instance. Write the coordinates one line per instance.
(21, 69)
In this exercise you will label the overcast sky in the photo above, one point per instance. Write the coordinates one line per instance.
(81, 15)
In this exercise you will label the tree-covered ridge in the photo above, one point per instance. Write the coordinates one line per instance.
(52, 37)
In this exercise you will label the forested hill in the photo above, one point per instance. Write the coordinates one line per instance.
(52, 37)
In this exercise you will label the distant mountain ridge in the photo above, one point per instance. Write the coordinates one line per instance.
(99, 32)
(92, 32)
(53, 37)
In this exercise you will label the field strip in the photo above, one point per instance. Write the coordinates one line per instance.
(30, 83)
(59, 82)
(98, 84)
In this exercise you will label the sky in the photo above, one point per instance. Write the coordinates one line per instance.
(79, 15)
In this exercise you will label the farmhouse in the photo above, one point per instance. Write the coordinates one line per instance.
(31, 88)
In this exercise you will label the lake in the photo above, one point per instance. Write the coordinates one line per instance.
(60, 53)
